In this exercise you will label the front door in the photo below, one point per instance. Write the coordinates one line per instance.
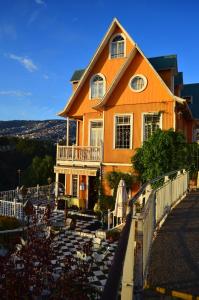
(96, 133)
(92, 192)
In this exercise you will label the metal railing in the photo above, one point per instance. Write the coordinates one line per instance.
(79, 153)
(130, 265)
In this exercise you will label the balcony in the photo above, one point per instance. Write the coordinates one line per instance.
(79, 155)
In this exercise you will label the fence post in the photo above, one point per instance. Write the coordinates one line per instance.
(128, 268)
(15, 207)
(37, 191)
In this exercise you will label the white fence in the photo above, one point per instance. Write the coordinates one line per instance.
(12, 209)
(11, 202)
(156, 205)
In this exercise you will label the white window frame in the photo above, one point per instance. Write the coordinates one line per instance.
(89, 130)
(150, 113)
(145, 83)
(90, 86)
(112, 38)
(131, 130)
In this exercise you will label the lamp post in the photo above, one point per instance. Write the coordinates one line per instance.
(19, 176)
(23, 192)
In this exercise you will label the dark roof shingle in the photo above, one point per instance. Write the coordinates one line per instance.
(77, 75)
(164, 62)
(193, 91)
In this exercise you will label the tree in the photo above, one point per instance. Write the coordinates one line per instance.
(39, 171)
(163, 152)
(114, 178)
(28, 272)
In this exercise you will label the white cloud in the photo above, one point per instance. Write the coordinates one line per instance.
(40, 2)
(24, 61)
(15, 93)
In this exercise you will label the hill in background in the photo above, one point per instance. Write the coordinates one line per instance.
(53, 130)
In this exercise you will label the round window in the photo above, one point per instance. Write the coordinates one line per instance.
(138, 83)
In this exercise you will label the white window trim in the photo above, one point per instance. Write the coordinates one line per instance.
(145, 83)
(104, 85)
(149, 113)
(111, 43)
(131, 131)
(89, 130)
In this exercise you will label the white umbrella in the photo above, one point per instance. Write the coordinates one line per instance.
(121, 200)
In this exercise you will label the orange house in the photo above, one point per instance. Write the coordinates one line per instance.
(118, 101)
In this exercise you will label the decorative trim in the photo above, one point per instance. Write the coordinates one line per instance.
(102, 45)
(117, 164)
(145, 83)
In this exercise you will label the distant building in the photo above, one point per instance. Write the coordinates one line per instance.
(118, 102)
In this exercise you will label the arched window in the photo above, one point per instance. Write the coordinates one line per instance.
(117, 47)
(97, 86)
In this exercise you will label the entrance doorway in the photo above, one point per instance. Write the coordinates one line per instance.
(92, 191)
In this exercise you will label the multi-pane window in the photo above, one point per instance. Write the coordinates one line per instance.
(138, 83)
(74, 185)
(97, 87)
(123, 132)
(151, 123)
(96, 130)
(117, 47)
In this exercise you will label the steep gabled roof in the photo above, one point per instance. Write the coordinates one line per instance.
(115, 82)
(192, 90)
(166, 62)
(77, 75)
(159, 63)
(92, 62)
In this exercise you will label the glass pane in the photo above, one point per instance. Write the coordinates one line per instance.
(151, 124)
(96, 133)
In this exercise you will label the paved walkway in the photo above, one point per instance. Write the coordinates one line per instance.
(175, 252)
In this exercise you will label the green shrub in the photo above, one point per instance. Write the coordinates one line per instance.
(7, 223)
(107, 202)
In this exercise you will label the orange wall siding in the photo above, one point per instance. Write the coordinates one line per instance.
(154, 98)
(109, 68)
(124, 155)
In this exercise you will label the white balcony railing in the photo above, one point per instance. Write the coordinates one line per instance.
(79, 153)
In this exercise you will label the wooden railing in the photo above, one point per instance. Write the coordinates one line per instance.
(79, 153)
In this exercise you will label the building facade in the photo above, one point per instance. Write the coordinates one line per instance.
(118, 101)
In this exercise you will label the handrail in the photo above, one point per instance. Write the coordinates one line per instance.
(115, 274)
(114, 278)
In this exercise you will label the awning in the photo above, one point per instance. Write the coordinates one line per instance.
(76, 171)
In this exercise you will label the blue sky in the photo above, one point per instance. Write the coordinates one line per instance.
(43, 41)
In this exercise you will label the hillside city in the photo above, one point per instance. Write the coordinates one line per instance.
(53, 130)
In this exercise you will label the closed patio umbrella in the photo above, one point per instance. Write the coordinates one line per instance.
(121, 200)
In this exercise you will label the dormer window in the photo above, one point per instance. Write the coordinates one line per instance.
(117, 46)
(97, 86)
